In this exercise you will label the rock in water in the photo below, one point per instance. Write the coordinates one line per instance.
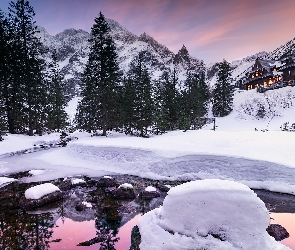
(278, 232)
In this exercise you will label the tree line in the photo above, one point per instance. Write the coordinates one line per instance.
(136, 105)
(31, 92)
(32, 96)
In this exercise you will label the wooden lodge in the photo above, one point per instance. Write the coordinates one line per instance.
(267, 74)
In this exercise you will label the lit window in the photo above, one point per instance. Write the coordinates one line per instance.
(256, 73)
(252, 76)
(260, 73)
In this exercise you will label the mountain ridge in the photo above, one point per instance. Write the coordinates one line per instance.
(72, 48)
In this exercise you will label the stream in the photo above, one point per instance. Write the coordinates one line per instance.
(107, 224)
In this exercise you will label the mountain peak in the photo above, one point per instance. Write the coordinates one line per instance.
(116, 27)
(182, 55)
(144, 37)
(183, 51)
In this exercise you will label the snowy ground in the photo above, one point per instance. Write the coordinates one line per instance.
(235, 151)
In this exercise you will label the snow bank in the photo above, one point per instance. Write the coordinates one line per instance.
(14, 143)
(5, 180)
(36, 171)
(39, 191)
(208, 214)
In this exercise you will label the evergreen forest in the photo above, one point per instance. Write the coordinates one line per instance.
(32, 93)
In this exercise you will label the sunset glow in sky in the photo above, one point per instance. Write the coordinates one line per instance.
(210, 29)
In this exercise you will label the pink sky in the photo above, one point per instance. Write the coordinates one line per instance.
(210, 29)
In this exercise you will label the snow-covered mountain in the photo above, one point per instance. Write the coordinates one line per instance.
(285, 50)
(72, 50)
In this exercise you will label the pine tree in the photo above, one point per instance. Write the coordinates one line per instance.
(142, 104)
(3, 72)
(196, 98)
(57, 117)
(223, 91)
(167, 111)
(99, 107)
(128, 105)
(26, 95)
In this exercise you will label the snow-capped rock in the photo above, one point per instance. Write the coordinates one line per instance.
(208, 214)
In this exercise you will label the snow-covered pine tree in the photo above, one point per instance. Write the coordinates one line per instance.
(27, 90)
(143, 105)
(223, 91)
(99, 107)
(57, 117)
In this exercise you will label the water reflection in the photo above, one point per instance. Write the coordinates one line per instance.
(287, 220)
(20, 230)
(106, 225)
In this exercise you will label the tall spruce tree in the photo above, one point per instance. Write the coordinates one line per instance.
(128, 105)
(196, 98)
(99, 107)
(3, 72)
(27, 88)
(57, 117)
(167, 105)
(142, 104)
(223, 91)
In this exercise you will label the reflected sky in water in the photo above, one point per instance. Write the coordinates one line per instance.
(287, 220)
(72, 233)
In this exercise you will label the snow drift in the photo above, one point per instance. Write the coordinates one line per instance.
(208, 214)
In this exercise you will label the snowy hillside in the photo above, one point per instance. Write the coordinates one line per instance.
(287, 49)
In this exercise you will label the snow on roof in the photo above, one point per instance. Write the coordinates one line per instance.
(208, 214)
(39, 191)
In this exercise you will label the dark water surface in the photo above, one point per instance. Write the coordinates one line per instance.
(106, 225)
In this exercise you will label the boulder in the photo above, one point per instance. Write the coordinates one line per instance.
(148, 195)
(65, 185)
(124, 192)
(163, 188)
(106, 182)
(80, 207)
(277, 231)
(28, 204)
(40, 195)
